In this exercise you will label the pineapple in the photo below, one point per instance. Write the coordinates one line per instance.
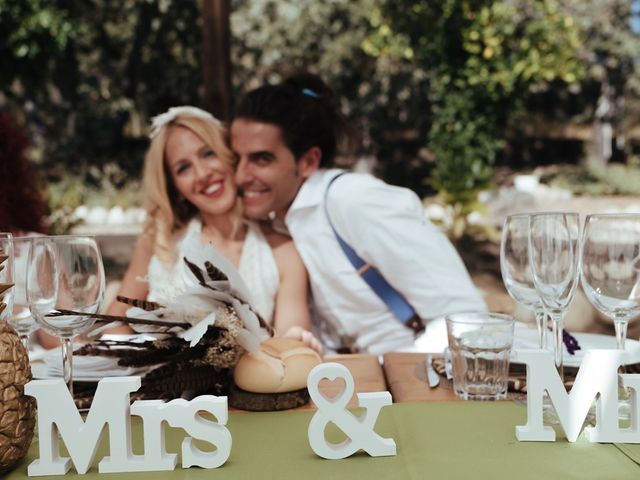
(17, 412)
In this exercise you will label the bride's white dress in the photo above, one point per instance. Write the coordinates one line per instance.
(257, 268)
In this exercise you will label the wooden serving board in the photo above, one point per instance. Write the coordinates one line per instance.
(367, 376)
(266, 402)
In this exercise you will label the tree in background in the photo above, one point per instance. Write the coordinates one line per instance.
(482, 59)
(435, 87)
(611, 48)
(88, 75)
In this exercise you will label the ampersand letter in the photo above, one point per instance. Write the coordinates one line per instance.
(359, 430)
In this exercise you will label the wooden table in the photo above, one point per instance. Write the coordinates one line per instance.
(367, 372)
(403, 374)
(407, 382)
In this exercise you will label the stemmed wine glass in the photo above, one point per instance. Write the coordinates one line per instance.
(20, 318)
(6, 274)
(65, 282)
(516, 270)
(611, 268)
(554, 258)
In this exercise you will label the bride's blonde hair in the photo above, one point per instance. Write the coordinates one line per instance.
(167, 212)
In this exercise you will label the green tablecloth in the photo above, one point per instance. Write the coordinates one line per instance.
(458, 440)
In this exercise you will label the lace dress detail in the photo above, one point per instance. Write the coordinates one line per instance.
(257, 268)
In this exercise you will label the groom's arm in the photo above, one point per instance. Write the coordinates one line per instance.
(387, 227)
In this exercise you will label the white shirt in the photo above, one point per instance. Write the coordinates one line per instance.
(257, 268)
(387, 228)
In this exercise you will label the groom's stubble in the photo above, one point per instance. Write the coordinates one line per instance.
(267, 174)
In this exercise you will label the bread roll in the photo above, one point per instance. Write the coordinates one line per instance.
(281, 365)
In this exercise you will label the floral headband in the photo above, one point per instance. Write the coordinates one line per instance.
(170, 115)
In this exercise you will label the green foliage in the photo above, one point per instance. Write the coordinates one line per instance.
(492, 52)
(611, 49)
(481, 59)
(465, 149)
(33, 34)
(610, 46)
(89, 74)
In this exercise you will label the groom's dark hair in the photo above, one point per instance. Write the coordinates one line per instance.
(304, 108)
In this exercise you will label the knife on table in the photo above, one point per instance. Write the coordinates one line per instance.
(433, 379)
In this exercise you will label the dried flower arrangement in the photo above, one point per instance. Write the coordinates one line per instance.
(200, 335)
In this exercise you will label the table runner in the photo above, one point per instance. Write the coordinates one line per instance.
(630, 450)
(435, 440)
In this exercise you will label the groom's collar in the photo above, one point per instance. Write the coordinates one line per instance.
(312, 191)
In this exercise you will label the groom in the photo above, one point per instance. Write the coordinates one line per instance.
(378, 269)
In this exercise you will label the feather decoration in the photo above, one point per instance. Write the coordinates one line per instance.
(143, 304)
(222, 277)
(128, 320)
(213, 286)
(205, 328)
(195, 270)
(227, 279)
(214, 273)
(194, 334)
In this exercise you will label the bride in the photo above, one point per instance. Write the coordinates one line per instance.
(191, 201)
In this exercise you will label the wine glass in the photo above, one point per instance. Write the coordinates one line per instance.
(6, 274)
(65, 282)
(516, 270)
(554, 258)
(20, 318)
(611, 268)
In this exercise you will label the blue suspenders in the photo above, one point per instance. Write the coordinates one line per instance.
(389, 295)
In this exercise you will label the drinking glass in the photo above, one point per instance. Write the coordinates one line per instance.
(554, 258)
(480, 345)
(20, 318)
(516, 270)
(6, 274)
(65, 282)
(611, 268)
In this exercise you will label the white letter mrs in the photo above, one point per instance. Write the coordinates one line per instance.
(111, 406)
